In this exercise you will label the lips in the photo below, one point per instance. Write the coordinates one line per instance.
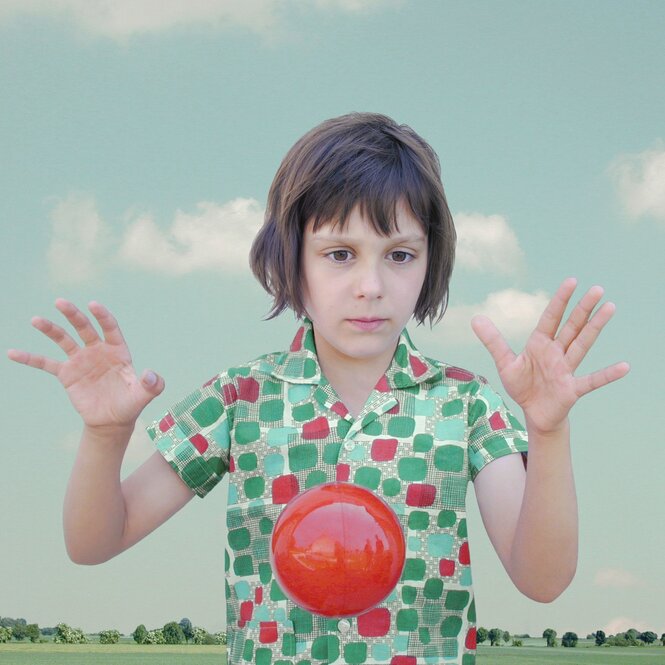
(367, 324)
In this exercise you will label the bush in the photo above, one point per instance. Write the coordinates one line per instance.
(139, 634)
(173, 633)
(220, 638)
(32, 632)
(517, 643)
(109, 637)
(5, 634)
(569, 639)
(64, 634)
(154, 637)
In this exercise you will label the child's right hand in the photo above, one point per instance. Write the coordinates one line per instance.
(98, 376)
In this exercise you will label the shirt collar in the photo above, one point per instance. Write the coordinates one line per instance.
(300, 363)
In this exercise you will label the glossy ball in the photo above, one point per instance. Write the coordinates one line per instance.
(337, 550)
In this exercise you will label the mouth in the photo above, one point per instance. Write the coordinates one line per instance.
(367, 323)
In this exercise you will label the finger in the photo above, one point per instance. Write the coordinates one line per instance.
(108, 323)
(595, 380)
(79, 320)
(153, 385)
(551, 317)
(34, 360)
(56, 333)
(579, 316)
(493, 340)
(580, 346)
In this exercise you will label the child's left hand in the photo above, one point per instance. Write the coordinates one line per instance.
(540, 379)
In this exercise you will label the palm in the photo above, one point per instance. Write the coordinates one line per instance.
(98, 376)
(101, 384)
(541, 378)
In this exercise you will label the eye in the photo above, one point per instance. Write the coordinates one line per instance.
(339, 255)
(400, 256)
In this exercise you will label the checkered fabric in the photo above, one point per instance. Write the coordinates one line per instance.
(279, 428)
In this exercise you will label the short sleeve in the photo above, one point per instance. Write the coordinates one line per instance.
(493, 431)
(194, 435)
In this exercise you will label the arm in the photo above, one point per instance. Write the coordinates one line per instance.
(531, 517)
(102, 516)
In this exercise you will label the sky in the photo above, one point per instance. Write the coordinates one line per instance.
(139, 140)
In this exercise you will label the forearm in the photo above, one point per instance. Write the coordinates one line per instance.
(94, 513)
(544, 552)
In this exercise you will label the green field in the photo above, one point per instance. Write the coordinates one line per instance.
(110, 654)
(134, 654)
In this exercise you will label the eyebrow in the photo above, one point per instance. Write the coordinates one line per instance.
(349, 239)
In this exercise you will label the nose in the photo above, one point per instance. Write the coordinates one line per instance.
(368, 281)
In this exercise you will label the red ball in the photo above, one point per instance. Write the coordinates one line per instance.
(337, 550)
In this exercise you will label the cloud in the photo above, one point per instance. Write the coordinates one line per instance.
(640, 181)
(486, 243)
(79, 241)
(515, 313)
(616, 578)
(217, 238)
(622, 624)
(121, 19)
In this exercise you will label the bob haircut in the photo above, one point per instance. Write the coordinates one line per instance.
(363, 159)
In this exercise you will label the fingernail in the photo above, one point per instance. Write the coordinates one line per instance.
(150, 379)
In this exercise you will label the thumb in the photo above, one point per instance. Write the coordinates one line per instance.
(152, 382)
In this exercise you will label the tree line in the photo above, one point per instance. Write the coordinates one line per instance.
(629, 638)
(182, 632)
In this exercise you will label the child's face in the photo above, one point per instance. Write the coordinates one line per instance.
(361, 288)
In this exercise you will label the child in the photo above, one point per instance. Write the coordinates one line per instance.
(357, 239)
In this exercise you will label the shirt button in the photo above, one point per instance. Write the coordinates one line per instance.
(343, 625)
(349, 445)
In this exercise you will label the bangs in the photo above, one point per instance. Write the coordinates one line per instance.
(376, 186)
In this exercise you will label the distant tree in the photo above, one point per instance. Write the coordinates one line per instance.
(32, 632)
(648, 637)
(64, 634)
(173, 633)
(154, 637)
(600, 637)
(550, 635)
(494, 635)
(5, 634)
(49, 630)
(109, 637)
(506, 636)
(632, 633)
(187, 628)
(220, 638)
(569, 639)
(517, 643)
(662, 639)
(19, 631)
(139, 634)
(481, 635)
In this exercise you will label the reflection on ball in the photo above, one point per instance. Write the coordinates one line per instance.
(337, 550)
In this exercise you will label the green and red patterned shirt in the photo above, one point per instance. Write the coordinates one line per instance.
(278, 427)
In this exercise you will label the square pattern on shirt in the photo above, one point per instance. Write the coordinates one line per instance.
(278, 427)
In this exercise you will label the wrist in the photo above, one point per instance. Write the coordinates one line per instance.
(108, 434)
(556, 432)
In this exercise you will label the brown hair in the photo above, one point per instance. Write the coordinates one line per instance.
(363, 159)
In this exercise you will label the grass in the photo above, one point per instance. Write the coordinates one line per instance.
(16, 653)
(583, 654)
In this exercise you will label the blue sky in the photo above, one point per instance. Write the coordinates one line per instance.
(138, 148)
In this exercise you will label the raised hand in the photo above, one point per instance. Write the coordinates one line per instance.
(98, 374)
(541, 378)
